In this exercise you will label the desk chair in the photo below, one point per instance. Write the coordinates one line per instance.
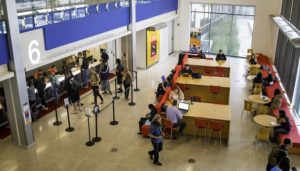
(216, 126)
(248, 106)
(201, 124)
(209, 71)
(215, 90)
(167, 124)
(257, 88)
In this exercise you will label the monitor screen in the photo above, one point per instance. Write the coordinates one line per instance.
(183, 106)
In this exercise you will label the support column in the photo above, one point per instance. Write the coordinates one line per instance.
(132, 60)
(15, 88)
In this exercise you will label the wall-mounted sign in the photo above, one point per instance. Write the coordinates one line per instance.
(153, 47)
(26, 114)
(33, 52)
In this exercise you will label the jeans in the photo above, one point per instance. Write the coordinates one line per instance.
(55, 91)
(84, 73)
(157, 147)
(105, 85)
(96, 94)
(279, 130)
(181, 124)
(42, 98)
(127, 88)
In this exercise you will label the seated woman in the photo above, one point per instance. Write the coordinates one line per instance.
(253, 60)
(187, 70)
(194, 49)
(284, 126)
(276, 101)
(149, 116)
(201, 54)
(257, 79)
(268, 81)
(176, 94)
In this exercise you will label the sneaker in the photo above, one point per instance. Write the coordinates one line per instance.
(150, 155)
(157, 163)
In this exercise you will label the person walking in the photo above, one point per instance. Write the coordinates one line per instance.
(156, 134)
(127, 80)
(119, 70)
(95, 85)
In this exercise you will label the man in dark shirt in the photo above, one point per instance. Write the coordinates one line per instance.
(149, 116)
(278, 153)
(187, 70)
(201, 54)
(221, 56)
(104, 56)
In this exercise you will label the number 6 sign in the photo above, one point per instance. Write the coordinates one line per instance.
(33, 52)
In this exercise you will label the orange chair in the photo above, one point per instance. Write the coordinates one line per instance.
(201, 124)
(215, 90)
(219, 72)
(145, 130)
(209, 71)
(167, 124)
(216, 126)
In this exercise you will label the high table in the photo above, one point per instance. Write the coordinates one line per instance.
(200, 87)
(257, 99)
(207, 111)
(199, 65)
(265, 122)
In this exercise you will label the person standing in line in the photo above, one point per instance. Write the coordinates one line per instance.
(104, 56)
(278, 153)
(127, 80)
(156, 134)
(104, 76)
(119, 70)
(55, 84)
(95, 79)
(40, 86)
(73, 87)
(84, 63)
(32, 100)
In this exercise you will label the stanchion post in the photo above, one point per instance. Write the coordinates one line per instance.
(90, 142)
(116, 93)
(132, 102)
(57, 122)
(96, 111)
(69, 129)
(136, 82)
(114, 122)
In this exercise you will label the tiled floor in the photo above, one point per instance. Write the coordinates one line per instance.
(56, 149)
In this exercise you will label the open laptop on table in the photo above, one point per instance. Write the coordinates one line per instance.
(183, 107)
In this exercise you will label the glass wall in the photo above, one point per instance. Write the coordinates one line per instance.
(225, 27)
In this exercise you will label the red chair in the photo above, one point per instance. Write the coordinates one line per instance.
(219, 72)
(145, 130)
(209, 71)
(215, 90)
(201, 124)
(167, 124)
(216, 126)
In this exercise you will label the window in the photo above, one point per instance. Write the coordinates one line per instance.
(225, 27)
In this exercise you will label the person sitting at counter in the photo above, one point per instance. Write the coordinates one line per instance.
(221, 56)
(253, 59)
(201, 54)
(176, 94)
(187, 70)
(258, 79)
(194, 49)
(175, 116)
(148, 118)
(277, 99)
(268, 81)
(284, 126)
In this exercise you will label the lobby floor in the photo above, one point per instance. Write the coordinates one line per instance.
(56, 149)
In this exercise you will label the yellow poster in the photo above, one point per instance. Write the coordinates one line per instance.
(153, 47)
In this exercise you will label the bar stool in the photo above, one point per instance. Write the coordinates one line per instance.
(216, 126)
(201, 124)
(215, 90)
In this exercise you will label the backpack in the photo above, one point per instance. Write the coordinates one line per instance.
(276, 155)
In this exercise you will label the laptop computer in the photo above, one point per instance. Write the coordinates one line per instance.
(183, 107)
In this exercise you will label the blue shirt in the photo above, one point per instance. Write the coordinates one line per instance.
(276, 168)
(173, 114)
(194, 50)
(156, 131)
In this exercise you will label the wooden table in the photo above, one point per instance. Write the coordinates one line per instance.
(207, 111)
(254, 65)
(199, 65)
(200, 87)
(265, 120)
(258, 100)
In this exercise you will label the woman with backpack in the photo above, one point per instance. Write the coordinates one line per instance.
(127, 80)
(119, 69)
(95, 79)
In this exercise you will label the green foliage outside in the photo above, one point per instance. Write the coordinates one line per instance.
(221, 37)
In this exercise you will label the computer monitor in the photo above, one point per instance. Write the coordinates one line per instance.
(183, 106)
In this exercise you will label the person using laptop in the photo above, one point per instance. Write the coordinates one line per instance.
(176, 94)
(221, 56)
(187, 70)
(175, 116)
